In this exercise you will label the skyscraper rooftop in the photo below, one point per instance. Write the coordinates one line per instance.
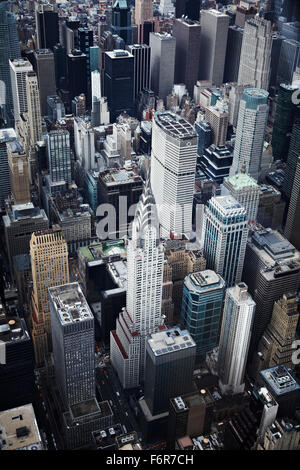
(70, 303)
(241, 181)
(175, 125)
(168, 341)
(204, 280)
(280, 380)
(227, 205)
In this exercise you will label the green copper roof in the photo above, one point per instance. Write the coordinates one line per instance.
(241, 181)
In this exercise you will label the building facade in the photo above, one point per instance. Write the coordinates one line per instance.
(250, 133)
(256, 53)
(201, 311)
(170, 359)
(49, 264)
(225, 232)
(235, 338)
(142, 315)
(245, 190)
(173, 163)
(163, 49)
(214, 32)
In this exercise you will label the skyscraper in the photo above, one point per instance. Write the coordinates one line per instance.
(18, 71)
(49, 264)
(99, 113)
(235, 96)
(217, 116)
(72, 323)
(235, 336)
(245, 190)
(224, 235)
(288, 61)
(292, 227)
(166, 7)
(201, 311)
(283, 434)
(60, 60)
(142, 315)
(277, 39)
(19, 172)
(204, 132)
(9, 49)
(275, 346)
(85, 41)
(94, 55)
(121, 20)
(163, 47)
(233, 54)
(72, 320)
(33, 109)
(6, 135)
(77, 73)
(143, 13)
(118, 82)
(141, 63)
(45, 69)
(283, 122)
(17, 371)
(46, 18)
(180, 261)
(292, 160)
(19, 224)
(214, 31)
(188, 36)
(170, 360)
(256, 53)
(173, 163)
(59, 155)
(272, 268)
(250, 133)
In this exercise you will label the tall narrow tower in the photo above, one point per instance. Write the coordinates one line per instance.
(250, 133)
(256, 53)
(276, 344)
(33, 107)
(18, 71)
(72, 320)
(47, 32)
(121, 20)
(19, 172)
(214, 32)
(142, 315)
(174, 155)
(143, 12)
(49, 264)
(235, 338)
(34, 116)
(225, 231)
(292, 227)
(9, 49)
(59, 155)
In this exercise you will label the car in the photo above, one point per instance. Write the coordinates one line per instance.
(111, 431)
(117, 393)
(103, 434)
